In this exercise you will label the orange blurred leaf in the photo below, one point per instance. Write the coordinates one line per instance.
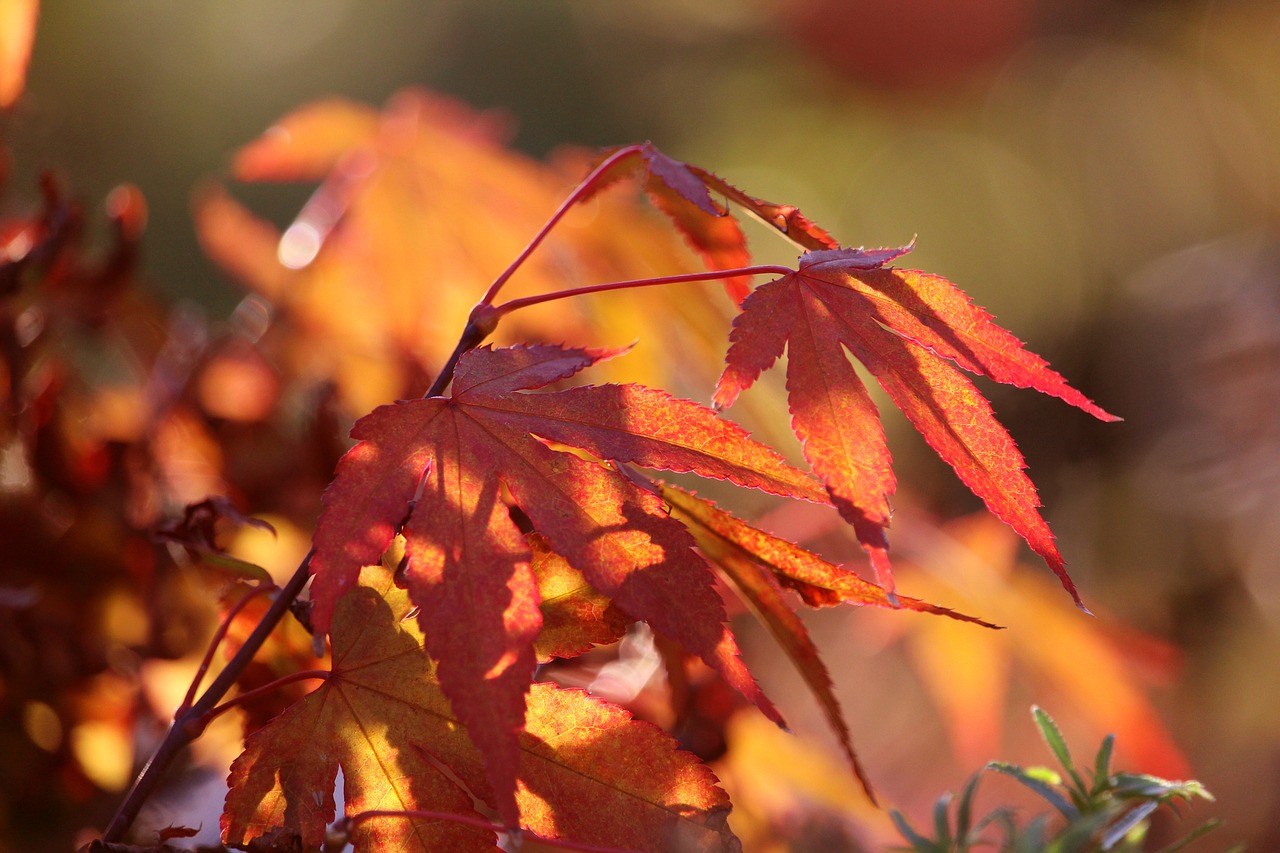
(418, 207)
(760, 565)
(308, 142)
(1077, 659)
(17, 33)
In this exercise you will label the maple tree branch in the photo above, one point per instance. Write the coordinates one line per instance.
(218, 637)
(181, 732)
(709, 275)
(346, 824)
(585, 186)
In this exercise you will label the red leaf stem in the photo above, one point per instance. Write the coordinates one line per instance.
(584, 189)
(250, 695)
(218, 637)
(710, 275)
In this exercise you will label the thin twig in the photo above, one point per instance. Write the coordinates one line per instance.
(181, 731)
(482, 322)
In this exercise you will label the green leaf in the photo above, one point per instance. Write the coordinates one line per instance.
(1045, 790)
(1032, 839)
(1053, 737)
(1078, 836)
(942, 821)
(1044, 774)
(918, 842)
(964, 809)
(1122, 827)
(1102, 765)
(1140, 785)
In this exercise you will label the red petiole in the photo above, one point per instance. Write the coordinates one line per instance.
(709, 275)
(584, 188)
(216, 641)
(250, 695)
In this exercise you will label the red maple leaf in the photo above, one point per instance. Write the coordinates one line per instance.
(468, 564)
(907, 328)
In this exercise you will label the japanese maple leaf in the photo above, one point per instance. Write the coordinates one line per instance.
(761, 566)
(908, 328)
(382, 719)
(468, 565)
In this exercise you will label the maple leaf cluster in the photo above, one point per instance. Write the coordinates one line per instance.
(499, 488)
(501, 521)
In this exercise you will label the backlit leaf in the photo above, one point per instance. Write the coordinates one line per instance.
(468, 568)
(575, 616)
(762, 590)
(588, 772)
(907, 328)
(819, 583)
(679, 191)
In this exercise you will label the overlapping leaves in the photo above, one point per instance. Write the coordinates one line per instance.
(528, 537)
(588, 772)
(761, 566)
(908, 328)
(468, 565)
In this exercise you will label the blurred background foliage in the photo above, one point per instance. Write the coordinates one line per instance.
(1102, 176)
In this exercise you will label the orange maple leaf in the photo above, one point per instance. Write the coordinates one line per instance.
(575, 616)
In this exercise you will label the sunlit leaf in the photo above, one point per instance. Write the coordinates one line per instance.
(906, 328)
(468, 567)
(588, 773)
